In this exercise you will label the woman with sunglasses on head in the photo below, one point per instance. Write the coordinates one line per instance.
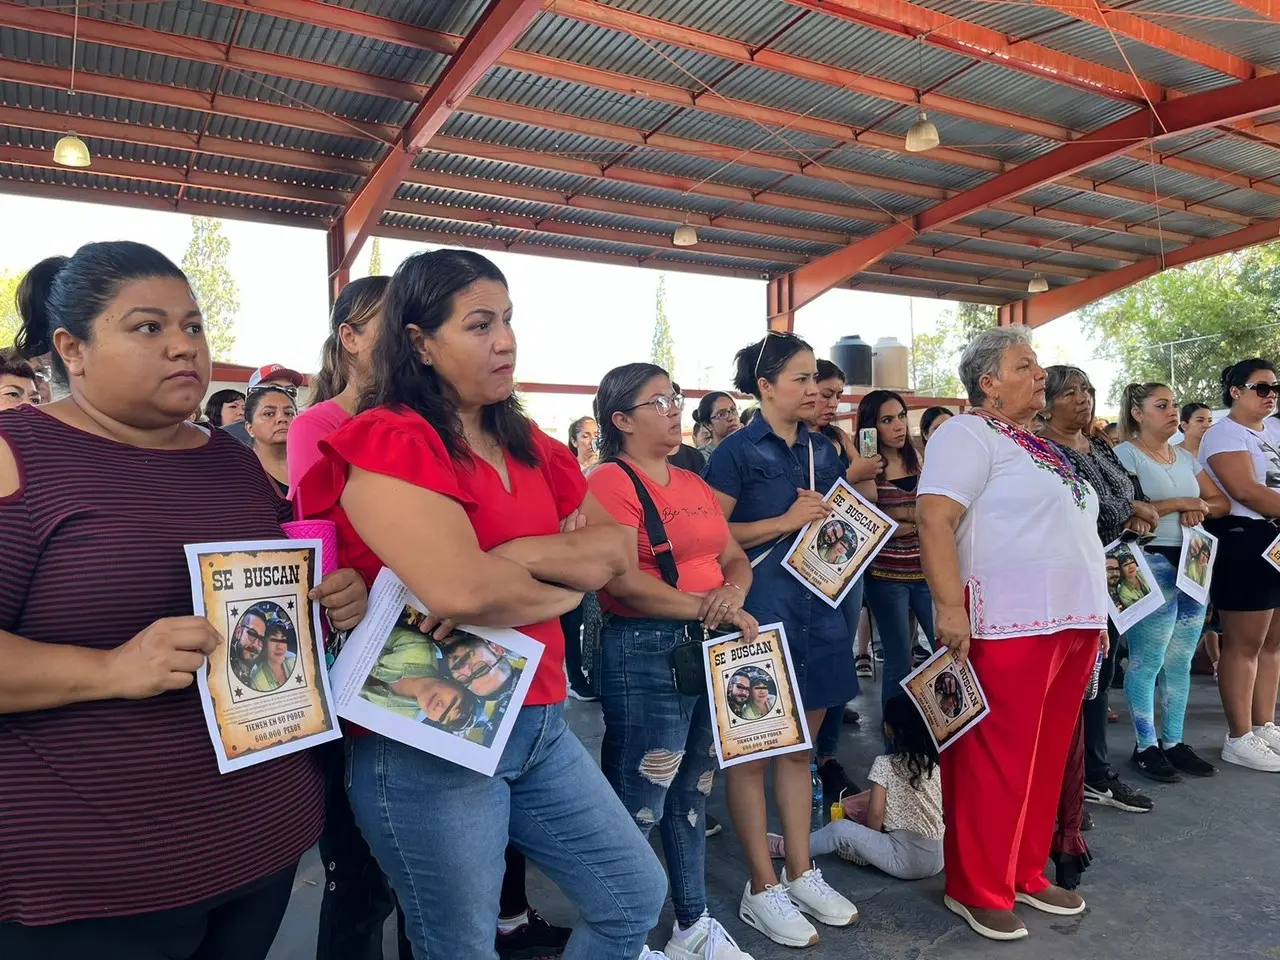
(121, 839)
(1241, 455)
(443, 479)
(658, 751)
(1162, 644)
(770, 478)
(718, 412)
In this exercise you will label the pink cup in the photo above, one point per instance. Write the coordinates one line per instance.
(323, 530)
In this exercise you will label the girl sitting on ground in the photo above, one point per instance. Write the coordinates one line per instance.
(896, 826)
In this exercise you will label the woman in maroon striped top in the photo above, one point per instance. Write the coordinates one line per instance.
(895, 584)
(120, 839)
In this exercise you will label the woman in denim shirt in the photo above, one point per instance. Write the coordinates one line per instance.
(769, 478)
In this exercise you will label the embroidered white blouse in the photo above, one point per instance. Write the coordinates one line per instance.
(1028, 541)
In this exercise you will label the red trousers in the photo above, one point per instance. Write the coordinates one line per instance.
(1001, 781)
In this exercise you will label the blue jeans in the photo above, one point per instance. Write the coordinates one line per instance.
(827, 740)
(439, 831)
(891, 603)
(1162, 645)
(657, 750)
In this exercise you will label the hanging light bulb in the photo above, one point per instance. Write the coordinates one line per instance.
(1038, 284)
(71, 151)
(685, 235)
(923, 135)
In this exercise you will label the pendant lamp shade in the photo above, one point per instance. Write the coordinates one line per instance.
(1038, 284)
(685, 236)
(923, 135)
(71, 151)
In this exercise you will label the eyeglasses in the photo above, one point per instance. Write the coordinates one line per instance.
(665, 405)
(290, 392)
(729, 414)
(1263, 388)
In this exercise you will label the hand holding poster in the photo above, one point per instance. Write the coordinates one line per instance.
(1195, 564)
(756, 710)
(455, 698)
(948, 695)
(829, 555)
(1132, 591)
(265, 692)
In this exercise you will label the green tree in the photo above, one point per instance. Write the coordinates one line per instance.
(973, 318)
(663, 351)
(215, 289)
(1183, 326)
(933, 361)
(375, 258)
(10, 322)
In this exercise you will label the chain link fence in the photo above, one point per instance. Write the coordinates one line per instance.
(1193, 366)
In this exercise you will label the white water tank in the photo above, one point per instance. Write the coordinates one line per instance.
(890, 364)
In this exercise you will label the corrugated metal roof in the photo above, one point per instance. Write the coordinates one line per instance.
(291, 208)
(456, 16)
(1222, 24)
(575, 99)
(751, 21)
(1094, 43)
(87, 180)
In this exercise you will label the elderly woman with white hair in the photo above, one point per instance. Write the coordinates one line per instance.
(1012, 556)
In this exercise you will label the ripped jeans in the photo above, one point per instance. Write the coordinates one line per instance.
(657, 750)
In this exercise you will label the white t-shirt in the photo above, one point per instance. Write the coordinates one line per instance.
(919, 811)
(1028, 539)
(1163, 481)
(1227, 436)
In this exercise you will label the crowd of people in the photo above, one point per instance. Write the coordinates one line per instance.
(614, 550)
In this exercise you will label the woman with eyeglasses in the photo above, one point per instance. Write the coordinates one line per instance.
(718, 412)
(268, 413)
(770, 478)
(1242, 456)
(657, 750)
(442, 479)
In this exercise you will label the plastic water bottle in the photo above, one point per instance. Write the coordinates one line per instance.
(818, 812)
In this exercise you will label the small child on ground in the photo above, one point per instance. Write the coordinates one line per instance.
(898, 826)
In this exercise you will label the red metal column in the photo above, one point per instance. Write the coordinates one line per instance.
(499, 27)
(1183, 115)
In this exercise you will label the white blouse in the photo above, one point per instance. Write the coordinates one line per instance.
(1028, 539)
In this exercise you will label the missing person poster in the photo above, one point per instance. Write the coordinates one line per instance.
(756, 711)
(1132, 591)
(829, 555)
(1272, 553)
(1195, 564)
(455, 698)
(265, 691)
(948, 695)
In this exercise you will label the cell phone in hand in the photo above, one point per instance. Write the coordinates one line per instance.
(868, 443)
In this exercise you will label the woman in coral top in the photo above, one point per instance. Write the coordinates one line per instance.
(444, 480)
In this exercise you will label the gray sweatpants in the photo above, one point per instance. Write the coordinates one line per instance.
(904, 854)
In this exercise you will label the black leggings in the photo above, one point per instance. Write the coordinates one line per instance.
(240, 925)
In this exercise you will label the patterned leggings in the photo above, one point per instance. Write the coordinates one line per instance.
(1162, 645)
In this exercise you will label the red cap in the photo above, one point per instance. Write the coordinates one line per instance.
(275, 371)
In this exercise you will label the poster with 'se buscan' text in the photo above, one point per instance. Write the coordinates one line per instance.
(265, 691)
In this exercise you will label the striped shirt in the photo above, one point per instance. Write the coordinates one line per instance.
(116, 807)
(900, 557)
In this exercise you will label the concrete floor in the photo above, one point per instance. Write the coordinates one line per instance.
(1197, 877)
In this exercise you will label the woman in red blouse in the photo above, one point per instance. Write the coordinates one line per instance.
(445, 481)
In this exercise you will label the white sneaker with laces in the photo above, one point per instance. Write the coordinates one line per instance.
(647, 954)
(1269, 734)
(705, 940)
(774, 915)
(814, 896)
(1251, 751)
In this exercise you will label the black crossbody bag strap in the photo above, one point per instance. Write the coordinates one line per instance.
(659, 543)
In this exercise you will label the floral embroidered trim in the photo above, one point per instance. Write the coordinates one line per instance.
(980, 628)
(1044, 456)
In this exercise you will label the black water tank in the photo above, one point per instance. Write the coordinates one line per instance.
(853, 356)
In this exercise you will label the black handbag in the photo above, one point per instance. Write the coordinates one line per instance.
(686, 659)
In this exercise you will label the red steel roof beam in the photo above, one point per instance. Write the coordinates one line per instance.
(1183, 115)
(499, 27)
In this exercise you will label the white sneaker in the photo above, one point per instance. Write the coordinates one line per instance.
(774, 915)
(1251, 751)
(814, 896)
(647, 954)
(706, 940)
(1269, 734)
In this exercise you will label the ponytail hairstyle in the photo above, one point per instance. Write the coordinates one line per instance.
(421, 293)
(764, 359)
(357, 304)
(575, 430)
(1135, 395)
(1238, 374)
(707, 405)
(70, 293)
(617, 394)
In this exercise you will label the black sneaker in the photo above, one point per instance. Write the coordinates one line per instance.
(919, 654)
(1153, 765)
(863, 665)
(851, 715)
(1184, 758)
(713, 827)
(835, 782)
(535, 940)
(1114, 792)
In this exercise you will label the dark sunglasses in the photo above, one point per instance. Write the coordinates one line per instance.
(1263, 389)
(290, 392)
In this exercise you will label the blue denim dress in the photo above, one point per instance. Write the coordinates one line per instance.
(757, 468)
